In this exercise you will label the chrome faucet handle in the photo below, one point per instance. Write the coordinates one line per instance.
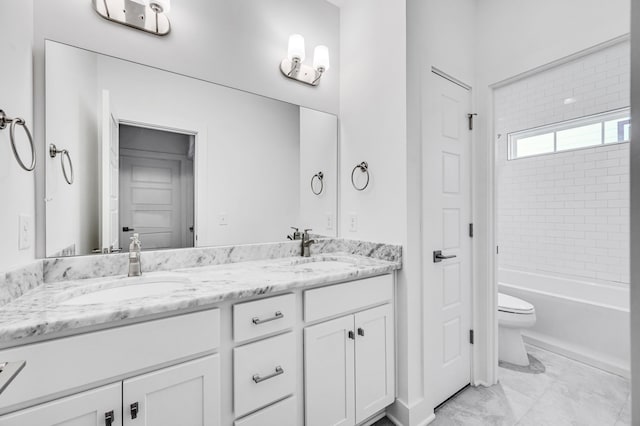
(297, 235)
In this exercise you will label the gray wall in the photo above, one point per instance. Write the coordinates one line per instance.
(16, 99)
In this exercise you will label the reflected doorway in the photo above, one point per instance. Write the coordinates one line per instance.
(156, 186)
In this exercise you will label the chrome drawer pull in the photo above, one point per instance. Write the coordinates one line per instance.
(257, 320)
(258, 379)
(9, 371)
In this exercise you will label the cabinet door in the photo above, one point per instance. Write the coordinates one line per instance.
(328, 372)
(187, 394)
(375, 367)
(83, 409)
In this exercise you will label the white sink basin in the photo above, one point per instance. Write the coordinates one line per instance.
(130, 288)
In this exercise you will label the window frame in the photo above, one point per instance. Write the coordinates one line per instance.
(601, 118)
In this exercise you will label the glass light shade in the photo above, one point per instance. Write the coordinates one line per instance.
(321, 58)
(296, 47)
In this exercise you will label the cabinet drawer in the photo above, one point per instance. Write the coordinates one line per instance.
(262, 317)
(263, 372)
(283, 413)
(336, 299)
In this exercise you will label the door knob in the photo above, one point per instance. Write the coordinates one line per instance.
(439, 257)
(127, 229)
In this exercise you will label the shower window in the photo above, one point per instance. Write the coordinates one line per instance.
(585, 132)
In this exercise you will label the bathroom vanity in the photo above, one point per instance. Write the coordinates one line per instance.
(283, 341)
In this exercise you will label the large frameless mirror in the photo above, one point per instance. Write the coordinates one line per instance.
(181, 161)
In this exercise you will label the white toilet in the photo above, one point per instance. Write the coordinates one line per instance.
(513, 315)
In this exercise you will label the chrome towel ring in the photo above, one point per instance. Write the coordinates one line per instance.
(320, 177)
(53, 151)
(4, 120)
(364, 168)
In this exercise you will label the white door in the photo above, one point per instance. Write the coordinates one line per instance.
(109, 164)
(97, 407)
(329, 373)
(374, 361)
(446, 217)
(187, 394)
(150, 202)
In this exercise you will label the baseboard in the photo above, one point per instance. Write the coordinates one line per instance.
(417, 415)
(576, 353)
(396, 422)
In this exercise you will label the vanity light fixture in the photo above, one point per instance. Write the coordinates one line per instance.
(292, 66)
(146, 15)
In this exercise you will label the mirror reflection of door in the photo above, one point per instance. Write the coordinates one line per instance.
(156, 187)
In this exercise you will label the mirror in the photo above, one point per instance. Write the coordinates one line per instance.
(181, 161)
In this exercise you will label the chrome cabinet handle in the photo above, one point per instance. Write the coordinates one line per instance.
(439, 257)
(276, 316)
(133, 408)
(257, 378)
(9, 371)
(109, 418)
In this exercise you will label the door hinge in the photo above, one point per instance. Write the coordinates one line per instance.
(471, 230)
(470, 116)
(471, 336)
(497, 249)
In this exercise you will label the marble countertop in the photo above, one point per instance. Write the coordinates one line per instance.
(50, 310)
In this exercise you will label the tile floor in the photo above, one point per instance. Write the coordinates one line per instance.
(568, 393)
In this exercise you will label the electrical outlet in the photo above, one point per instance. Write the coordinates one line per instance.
(353, 222)
(25, 232)
(329, 218)
(222, 219)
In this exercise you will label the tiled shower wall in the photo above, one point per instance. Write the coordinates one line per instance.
(565, 213)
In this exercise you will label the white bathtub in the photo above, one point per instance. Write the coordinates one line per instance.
(582, 320)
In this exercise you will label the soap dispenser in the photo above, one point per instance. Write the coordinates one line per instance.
(135, 267)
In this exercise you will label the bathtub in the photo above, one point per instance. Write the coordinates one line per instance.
(582, 320)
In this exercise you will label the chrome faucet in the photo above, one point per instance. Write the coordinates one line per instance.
(135, 266)
(306, 243)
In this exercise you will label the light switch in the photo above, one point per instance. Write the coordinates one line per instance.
(25, 232)
(222, 219)
(353, 222)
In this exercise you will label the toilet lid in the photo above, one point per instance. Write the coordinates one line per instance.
(512, 304)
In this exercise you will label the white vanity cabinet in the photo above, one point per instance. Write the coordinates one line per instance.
(186, 394)
(349, 361)
(318, 357)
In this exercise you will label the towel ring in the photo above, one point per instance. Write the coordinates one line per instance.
(4, 120)
(53, 151)
(364, 168)
(320, 177)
